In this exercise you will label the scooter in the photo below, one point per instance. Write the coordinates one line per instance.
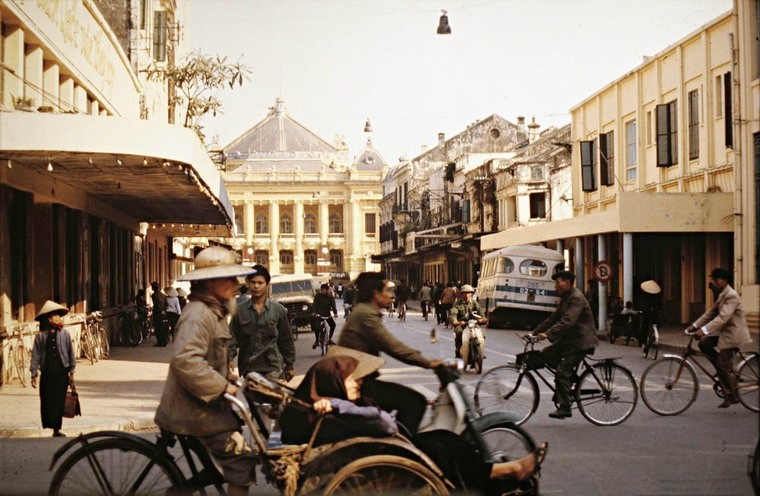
(473, 344)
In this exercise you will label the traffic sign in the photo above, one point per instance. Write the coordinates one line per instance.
(603, 271)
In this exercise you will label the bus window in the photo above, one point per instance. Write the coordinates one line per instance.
(505, 265)
(533, 268)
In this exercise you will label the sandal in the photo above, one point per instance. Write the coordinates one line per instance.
(539, 454)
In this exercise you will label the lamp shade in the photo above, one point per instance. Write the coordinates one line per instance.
(443, 24)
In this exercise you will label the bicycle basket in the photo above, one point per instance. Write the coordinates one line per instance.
(532, 359)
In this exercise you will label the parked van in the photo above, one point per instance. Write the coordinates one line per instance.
(296, 294)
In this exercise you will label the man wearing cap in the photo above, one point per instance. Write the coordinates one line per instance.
(460, 314)
(261, 330)
(160, 319)
(572, 333)
(193, 401)
(364, 331)
(721, 331)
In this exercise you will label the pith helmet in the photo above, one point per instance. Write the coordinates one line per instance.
(467, 289)
(170, 291)
(215, 262)
(650, 287)
(51, 307)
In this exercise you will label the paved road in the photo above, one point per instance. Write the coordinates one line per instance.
(703, 451)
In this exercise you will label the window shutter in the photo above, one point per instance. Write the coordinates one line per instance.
(588, 182)
(663, 136)
(466, 211)
(728, 115)
(606, 159)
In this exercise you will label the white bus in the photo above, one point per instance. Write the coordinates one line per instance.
(515, 287)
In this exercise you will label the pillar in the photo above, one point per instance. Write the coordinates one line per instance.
(249, 223)
(627, 267)
(323, 221)
(13, 58)
(580, 277)
(602, 249)
(66, 94)
(298, 256)
(33, 73)
(357, 229)
(80, 99)
(95, 107)
(51, 75)
(274, 233)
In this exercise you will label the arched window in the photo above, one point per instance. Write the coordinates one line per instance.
(261, 257)
(336, 259)
(336, 223)
(286, 224)
(286, 257)
(262, 226)
(310, 223)
(310, 257)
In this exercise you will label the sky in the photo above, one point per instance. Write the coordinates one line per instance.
(337, 63)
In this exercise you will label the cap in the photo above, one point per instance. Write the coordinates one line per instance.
(51, 307)
(467, 289)
(564, 274)
(367, 363)
(650, 287)
(720, 273)
(215, 262)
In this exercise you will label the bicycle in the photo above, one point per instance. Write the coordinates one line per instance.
(605, 392)
(99, 333)
(670, 385)
(324, 332)
(402, 311)
(19, 361)
(88, 342)
(112, 462)
(130, 326)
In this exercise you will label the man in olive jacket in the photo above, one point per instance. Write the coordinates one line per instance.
(572, 332)
(721, 331)
(193, 400)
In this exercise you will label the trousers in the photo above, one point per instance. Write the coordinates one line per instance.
(723, 361)
(565, 365)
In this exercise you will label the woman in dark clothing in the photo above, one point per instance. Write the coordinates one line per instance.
(333, 385)
(53, 355)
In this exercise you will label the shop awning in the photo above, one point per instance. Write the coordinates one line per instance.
(141, 171)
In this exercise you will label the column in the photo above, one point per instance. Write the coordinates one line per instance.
(580, 277)
(33, 73)
(51, 75)
(357, 229)
(13, 58)
(66, 94)
(298, 258)
(602, 249)
(80, 99)
(249, 223)
(274, 233)
(627, 267)
(95, 108)
(323, 222)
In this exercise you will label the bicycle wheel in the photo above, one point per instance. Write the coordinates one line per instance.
(650, 346)
(23, 362)
(507, 441)
(669, 386)
(402, 312)
(385, 474)
(116, 466)
(606, 394)
(105, 345)
(87, 345)
(294, 330)
(748, 382)
(507, 389)
(323, 338)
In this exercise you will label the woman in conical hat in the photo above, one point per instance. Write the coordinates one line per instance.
(53, 356)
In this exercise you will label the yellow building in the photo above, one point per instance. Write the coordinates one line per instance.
(301, 206)
(654, 176)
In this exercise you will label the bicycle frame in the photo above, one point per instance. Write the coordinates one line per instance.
(690, 358)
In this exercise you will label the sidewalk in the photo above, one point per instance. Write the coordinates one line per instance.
(117, 393)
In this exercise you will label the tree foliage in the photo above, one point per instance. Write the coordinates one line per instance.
(198, 80)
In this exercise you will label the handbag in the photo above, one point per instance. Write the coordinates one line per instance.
(72, 408)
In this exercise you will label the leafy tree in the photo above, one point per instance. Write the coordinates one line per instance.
(197, 81)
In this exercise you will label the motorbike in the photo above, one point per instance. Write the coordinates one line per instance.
(473, 344)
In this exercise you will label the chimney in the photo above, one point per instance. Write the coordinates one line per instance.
(533, 128)
(521, 134)
(441, 139)
(423, 149)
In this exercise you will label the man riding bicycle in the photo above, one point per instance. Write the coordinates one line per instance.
(323, 305)
(572, 332)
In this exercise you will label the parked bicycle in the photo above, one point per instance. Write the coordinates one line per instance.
(670, 385)
(19, 355)
(638, 325)
(605, 392)
(130, 326)
(324, 332)
(88, 341)
(99, 333)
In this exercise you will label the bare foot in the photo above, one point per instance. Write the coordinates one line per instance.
(523, 468)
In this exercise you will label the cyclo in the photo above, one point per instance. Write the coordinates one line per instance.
(113, 462)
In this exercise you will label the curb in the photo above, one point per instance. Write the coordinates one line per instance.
(134, 425)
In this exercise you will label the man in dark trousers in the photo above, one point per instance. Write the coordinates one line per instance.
(572, 333)
(160, 319)
(323, 305)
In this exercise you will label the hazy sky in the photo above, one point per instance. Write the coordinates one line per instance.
(336, 63)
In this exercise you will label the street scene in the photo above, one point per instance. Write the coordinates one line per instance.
(379, 247)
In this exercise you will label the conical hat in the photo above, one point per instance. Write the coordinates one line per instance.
(650, 287)
(181, 292)
(367, 363)
(50, 307)
(216, 262)
(169, 291)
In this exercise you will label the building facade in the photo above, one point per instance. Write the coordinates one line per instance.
(95, 183)
(654, 177)
(302, 206)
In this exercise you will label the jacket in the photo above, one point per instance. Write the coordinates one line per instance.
(192, 401)
(448, 297)
(726, 319)
(571, 327)
(265, 340)
(65, 350)
(461, 310)
(364, 331)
